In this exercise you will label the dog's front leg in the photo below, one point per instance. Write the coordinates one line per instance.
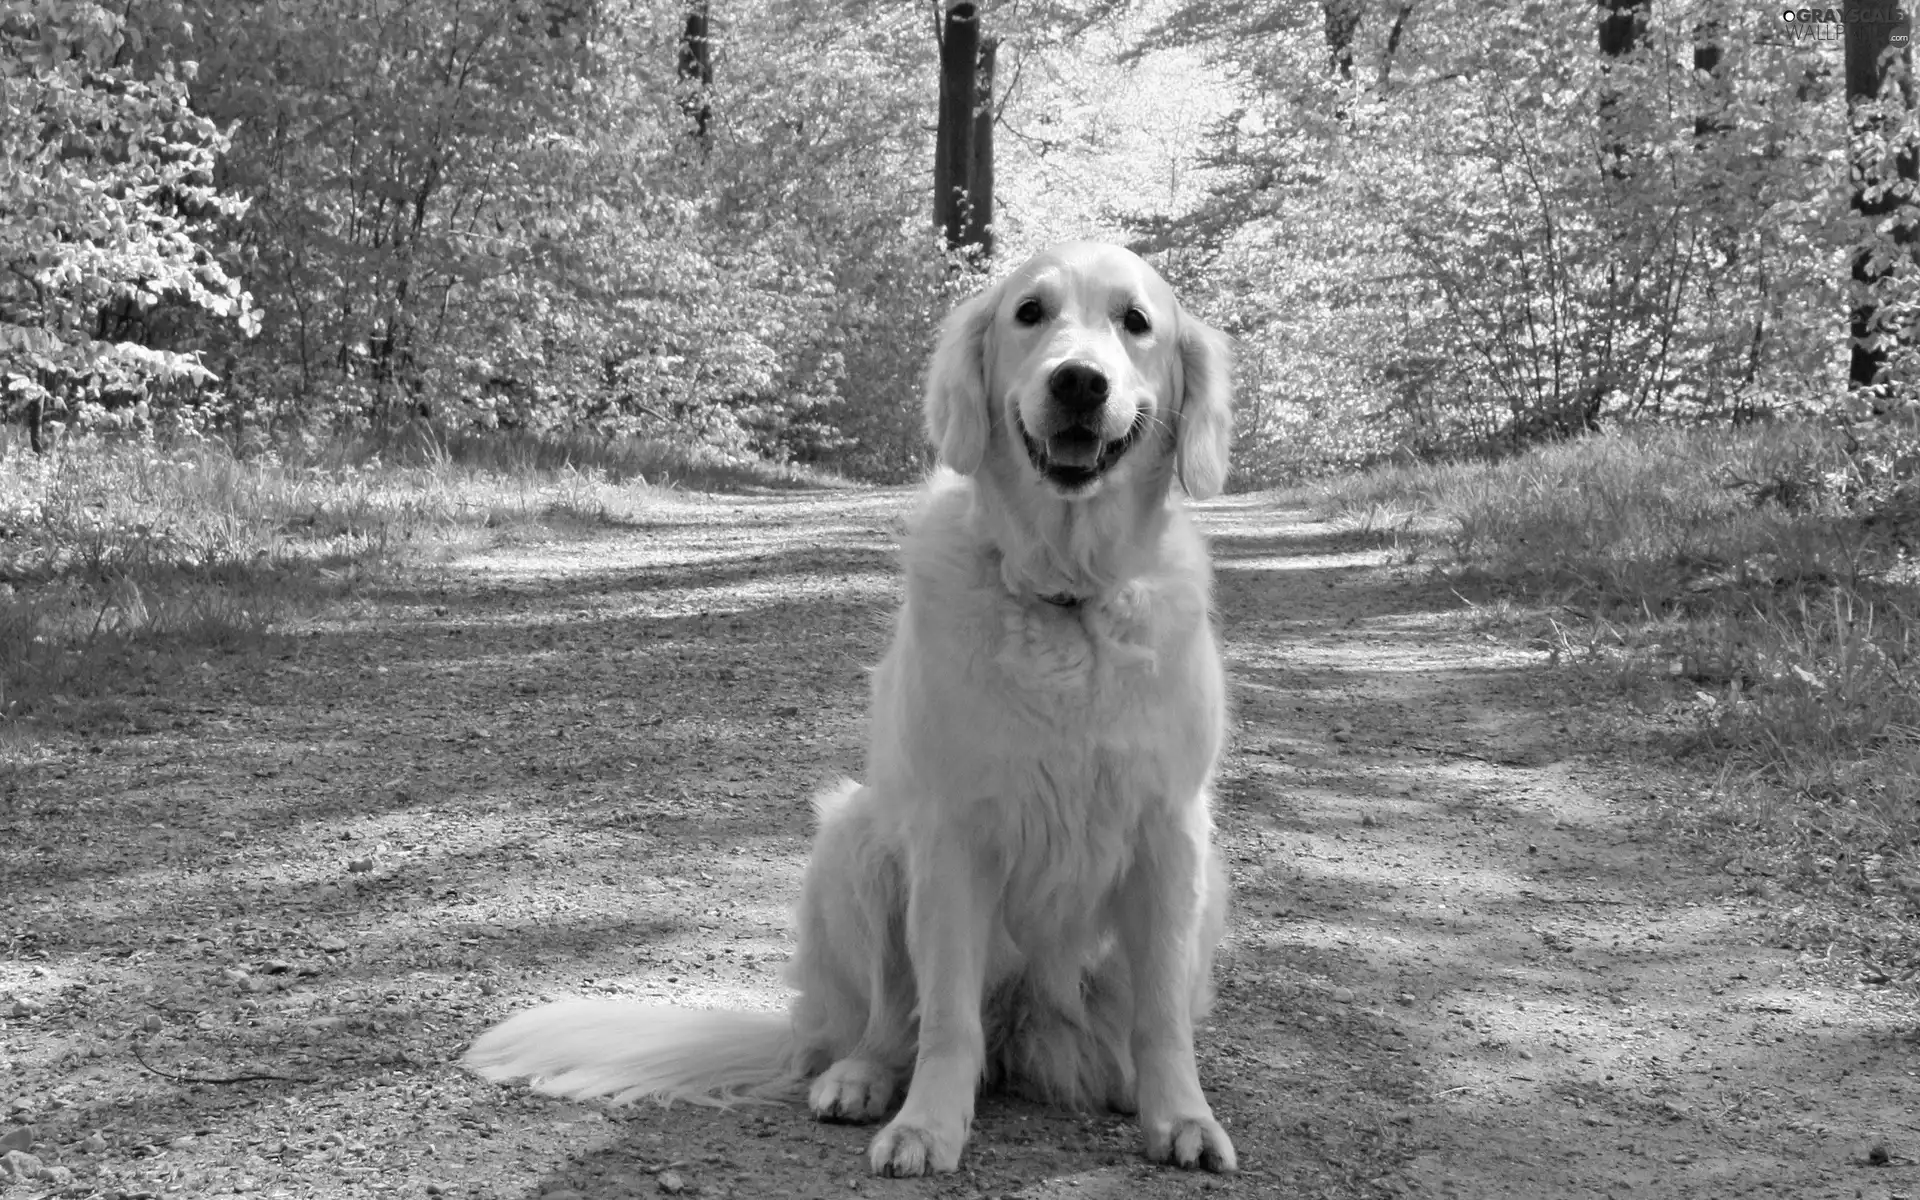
(949, 913)
(1162, 903)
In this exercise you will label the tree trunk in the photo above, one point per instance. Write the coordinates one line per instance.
(1883, 169)
(1708, 54)
(36, 435)
(953, 140)
(1394, 33)
(696, 69)
(1621, 23)
(979, 225)
(1343, 24)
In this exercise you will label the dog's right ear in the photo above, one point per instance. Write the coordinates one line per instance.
(957, 418)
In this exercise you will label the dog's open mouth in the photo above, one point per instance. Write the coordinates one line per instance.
(1076, 456)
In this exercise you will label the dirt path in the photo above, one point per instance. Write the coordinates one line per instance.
(579, 763)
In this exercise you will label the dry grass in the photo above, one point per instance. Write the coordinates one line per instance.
(121, 561)
(1755, 585)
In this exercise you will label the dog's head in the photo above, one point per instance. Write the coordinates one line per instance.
(1081, 368)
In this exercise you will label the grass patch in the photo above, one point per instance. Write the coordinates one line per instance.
(1756, 584)
(123, 562)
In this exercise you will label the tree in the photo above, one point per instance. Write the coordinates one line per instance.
(696, 68)
(1456, 227)
(109, 201)
(979, 224)
(954, 161)
(1883, 169)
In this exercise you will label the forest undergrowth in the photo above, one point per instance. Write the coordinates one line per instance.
(1752, 592)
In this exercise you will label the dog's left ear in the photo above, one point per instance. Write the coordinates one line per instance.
(1205, 425)
(957, 419)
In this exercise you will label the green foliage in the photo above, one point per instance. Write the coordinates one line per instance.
(1767, 572)
(502, 219)
(124, 560)
(1489, 232)
(1752, 587)
(107, 193)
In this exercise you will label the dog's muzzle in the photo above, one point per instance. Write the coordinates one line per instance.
(1074, 455)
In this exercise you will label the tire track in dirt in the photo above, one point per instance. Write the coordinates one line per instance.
(579, 762)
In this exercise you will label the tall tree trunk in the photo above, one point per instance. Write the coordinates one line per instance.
(696, 69)
(1343, 26)
(1621, 24)
(1882, 174)
(1709, 53)
(979, 225)
(953, 140)
(1394, 33)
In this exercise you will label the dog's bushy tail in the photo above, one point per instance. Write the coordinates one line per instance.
(625, 1051)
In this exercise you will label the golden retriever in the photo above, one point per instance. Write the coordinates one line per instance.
(1024, 893)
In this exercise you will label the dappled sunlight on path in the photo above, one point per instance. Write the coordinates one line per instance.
(1459, 964)
(1482, 972)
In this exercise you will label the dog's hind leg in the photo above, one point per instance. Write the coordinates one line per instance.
(854, 1013)
(861, 1085)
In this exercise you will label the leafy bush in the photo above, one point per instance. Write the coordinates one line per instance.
(1756, 584)
(1460, 230)
(109, 197)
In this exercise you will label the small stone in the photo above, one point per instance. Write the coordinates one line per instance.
(1878, 1156)
(228, 835)
(153, 1023)
(1406, 998)
(1343, 995)
(359, 865)
(26, 1007)
(671, 1183)
(276, 966)
(17, 1139)
(94, 1143)
(333, 945)
(18, 1165)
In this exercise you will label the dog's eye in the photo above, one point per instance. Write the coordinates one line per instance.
(1136, 322)
(1029, 312)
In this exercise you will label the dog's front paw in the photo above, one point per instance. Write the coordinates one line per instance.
(911, 1147)
(853, 1089)
(1190, 1142)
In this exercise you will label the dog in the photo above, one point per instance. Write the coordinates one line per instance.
(1024, 894)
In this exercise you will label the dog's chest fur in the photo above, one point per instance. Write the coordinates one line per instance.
(1051, 737)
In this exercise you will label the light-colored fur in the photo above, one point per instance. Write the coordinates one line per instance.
(1024, 893)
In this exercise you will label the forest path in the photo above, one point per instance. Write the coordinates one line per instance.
(579, 762)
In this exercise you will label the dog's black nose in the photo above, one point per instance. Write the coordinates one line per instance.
(1077, 387)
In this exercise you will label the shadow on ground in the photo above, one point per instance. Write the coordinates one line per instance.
(1457, 966)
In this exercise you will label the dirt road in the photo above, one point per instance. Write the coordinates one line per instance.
(1460, 964)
